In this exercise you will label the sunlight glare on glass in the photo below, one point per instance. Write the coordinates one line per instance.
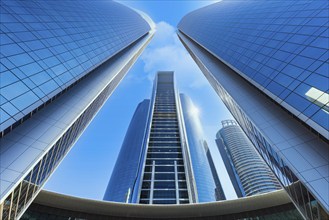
(194, 111)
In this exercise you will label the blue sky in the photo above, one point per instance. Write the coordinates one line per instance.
(87, 168)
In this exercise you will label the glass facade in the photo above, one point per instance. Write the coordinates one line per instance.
(268, 62)
(298, 158)
(279, 46)
(164, 178)
(28, 188)
(60, 61)
(125, 171)
(250, 171)
(219, 192)
(46, 46)
(204, 181)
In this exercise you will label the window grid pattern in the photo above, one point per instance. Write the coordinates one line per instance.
(164, 179)
(253, 174)
(46, 46)
(299, 194)
(279, 46)
(22, 196)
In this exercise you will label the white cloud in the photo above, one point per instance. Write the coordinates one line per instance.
(166, 52)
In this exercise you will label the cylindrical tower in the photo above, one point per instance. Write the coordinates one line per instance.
(249, 170)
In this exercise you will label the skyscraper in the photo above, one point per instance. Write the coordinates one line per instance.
(250, 173)
(165, 158)
(60, 61)
(219, 192)
(123, 178)
(166, 176)
(267, 60)
(200, 166)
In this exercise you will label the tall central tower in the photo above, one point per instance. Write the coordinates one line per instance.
(162, 158)
(165, 175)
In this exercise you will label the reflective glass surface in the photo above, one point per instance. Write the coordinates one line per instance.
(48, 45)
(125, 171)
(279, 46)
(51, 56)
(202, 174)
(23, 195)
(293, 153)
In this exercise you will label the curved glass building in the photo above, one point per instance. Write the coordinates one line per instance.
(123, 178)
(201, 169)
(60, 61)
(268, 62)
(250, 173)
(46, 49)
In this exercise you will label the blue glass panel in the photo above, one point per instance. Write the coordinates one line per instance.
(11, 49)
(20, 59)
(322, 118)
(24, 100)
(318, 81)
(40, 78)
(311, 110)
(30, 69)
(297, 101)
(321, 42)
(38, 35)
(14, 90)
(302, 62)
(8, 107)
(323, 69)
(4, 115)
(287, 41)
(313, 52)
(7, 78)
(48, 87)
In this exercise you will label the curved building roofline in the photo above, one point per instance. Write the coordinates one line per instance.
(218, 208)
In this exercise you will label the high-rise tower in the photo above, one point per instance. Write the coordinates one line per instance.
(250, 173)
(194, 133)
(169, 165)
(268, 62)
(123, 178)
(166, 172)
(60, 61)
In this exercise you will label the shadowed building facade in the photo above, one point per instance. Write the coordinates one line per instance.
(219, 192)
(268, 62)
(169, 165)
(60, 61)
(274, 205)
